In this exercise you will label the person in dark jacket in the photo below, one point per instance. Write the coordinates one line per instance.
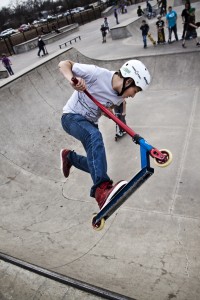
(41, 46)
(145, 30)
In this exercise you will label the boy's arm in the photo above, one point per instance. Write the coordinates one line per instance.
(124, 108)
(66, 69)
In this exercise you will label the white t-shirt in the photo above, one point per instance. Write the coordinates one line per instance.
(99, 85)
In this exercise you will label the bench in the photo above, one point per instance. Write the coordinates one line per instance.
(70, 41)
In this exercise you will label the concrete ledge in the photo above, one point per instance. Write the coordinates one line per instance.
(108, 11)
(3, 74)
(122, 30)
(48, 38)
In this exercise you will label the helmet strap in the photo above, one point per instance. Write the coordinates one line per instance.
(124, 87)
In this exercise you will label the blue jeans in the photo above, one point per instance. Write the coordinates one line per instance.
(145, 40)
(89, 135)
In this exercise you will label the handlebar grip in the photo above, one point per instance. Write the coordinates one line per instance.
(74, 80)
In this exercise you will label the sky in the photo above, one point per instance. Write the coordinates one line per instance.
(4, 3)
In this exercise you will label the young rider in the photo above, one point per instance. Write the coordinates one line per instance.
(80, 117)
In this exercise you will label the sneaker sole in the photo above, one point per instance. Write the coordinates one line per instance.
(114, 191)
(61, 163)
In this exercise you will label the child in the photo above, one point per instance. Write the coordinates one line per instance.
(106, 23)
(145, 30)
(160, 27)
(191, 28)
(7, 64)
(104, 32)
(80, 117)
(140, 11)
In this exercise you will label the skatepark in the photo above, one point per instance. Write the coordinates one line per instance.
(148, 249)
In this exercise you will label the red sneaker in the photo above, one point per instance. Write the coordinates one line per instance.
(65, 164)
(106, 191)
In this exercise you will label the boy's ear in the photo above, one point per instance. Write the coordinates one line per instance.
(129, 81)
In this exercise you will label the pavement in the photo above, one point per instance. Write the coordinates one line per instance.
(150, 248)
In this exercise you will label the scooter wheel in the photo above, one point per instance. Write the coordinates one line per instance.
(98, 226)
(168, 160)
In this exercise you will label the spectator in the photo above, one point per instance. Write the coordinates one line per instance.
(116, 15)
(120, 112)
(163, 8)
(7, 64)
(160, 29)
(191, 28)
(41, 46)
(171, 18)
(185, 17)
(104, 33)
(106, 23)
(140, 11)
(145, 30)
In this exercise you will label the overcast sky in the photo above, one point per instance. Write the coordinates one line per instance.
(4, 3)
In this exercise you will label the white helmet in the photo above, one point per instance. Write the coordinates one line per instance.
(136, 70)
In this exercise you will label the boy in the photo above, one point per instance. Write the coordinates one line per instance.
(80, 117)
(106, 23)
(140, 11)
(103, 32)
(7, 64)
(160, 27)
(191, 28)
(145, 30)
(171, 18)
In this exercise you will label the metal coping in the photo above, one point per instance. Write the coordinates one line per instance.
(88, 288)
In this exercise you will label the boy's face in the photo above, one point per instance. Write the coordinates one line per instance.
(131, 91)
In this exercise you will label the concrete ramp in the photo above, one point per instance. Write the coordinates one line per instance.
(149, 249)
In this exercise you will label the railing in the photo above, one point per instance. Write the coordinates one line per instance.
(70, 41)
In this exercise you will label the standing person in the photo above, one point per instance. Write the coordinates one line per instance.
(185, 17)
(191, 28)
(41, 46)
(140, 11)
(103, 32)
(160, 28)
(116, 15)
(163, 8)
(7, 64)
(145, 30)
(171, 18)
(120, 112)
(80, 117)
(106, 23)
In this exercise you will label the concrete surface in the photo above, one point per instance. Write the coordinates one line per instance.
(19, 284)
(150, 248)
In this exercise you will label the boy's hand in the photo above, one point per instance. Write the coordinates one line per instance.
(80, 86)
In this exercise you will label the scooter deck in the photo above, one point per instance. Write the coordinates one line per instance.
(119, 198)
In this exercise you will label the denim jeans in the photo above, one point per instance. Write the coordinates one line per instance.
(145, 40)
(89, 135)
(174, 30)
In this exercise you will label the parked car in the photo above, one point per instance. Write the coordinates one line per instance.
(8, 32)
(50, 17)
(24, 27)
(80, 9)
(66, 13)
